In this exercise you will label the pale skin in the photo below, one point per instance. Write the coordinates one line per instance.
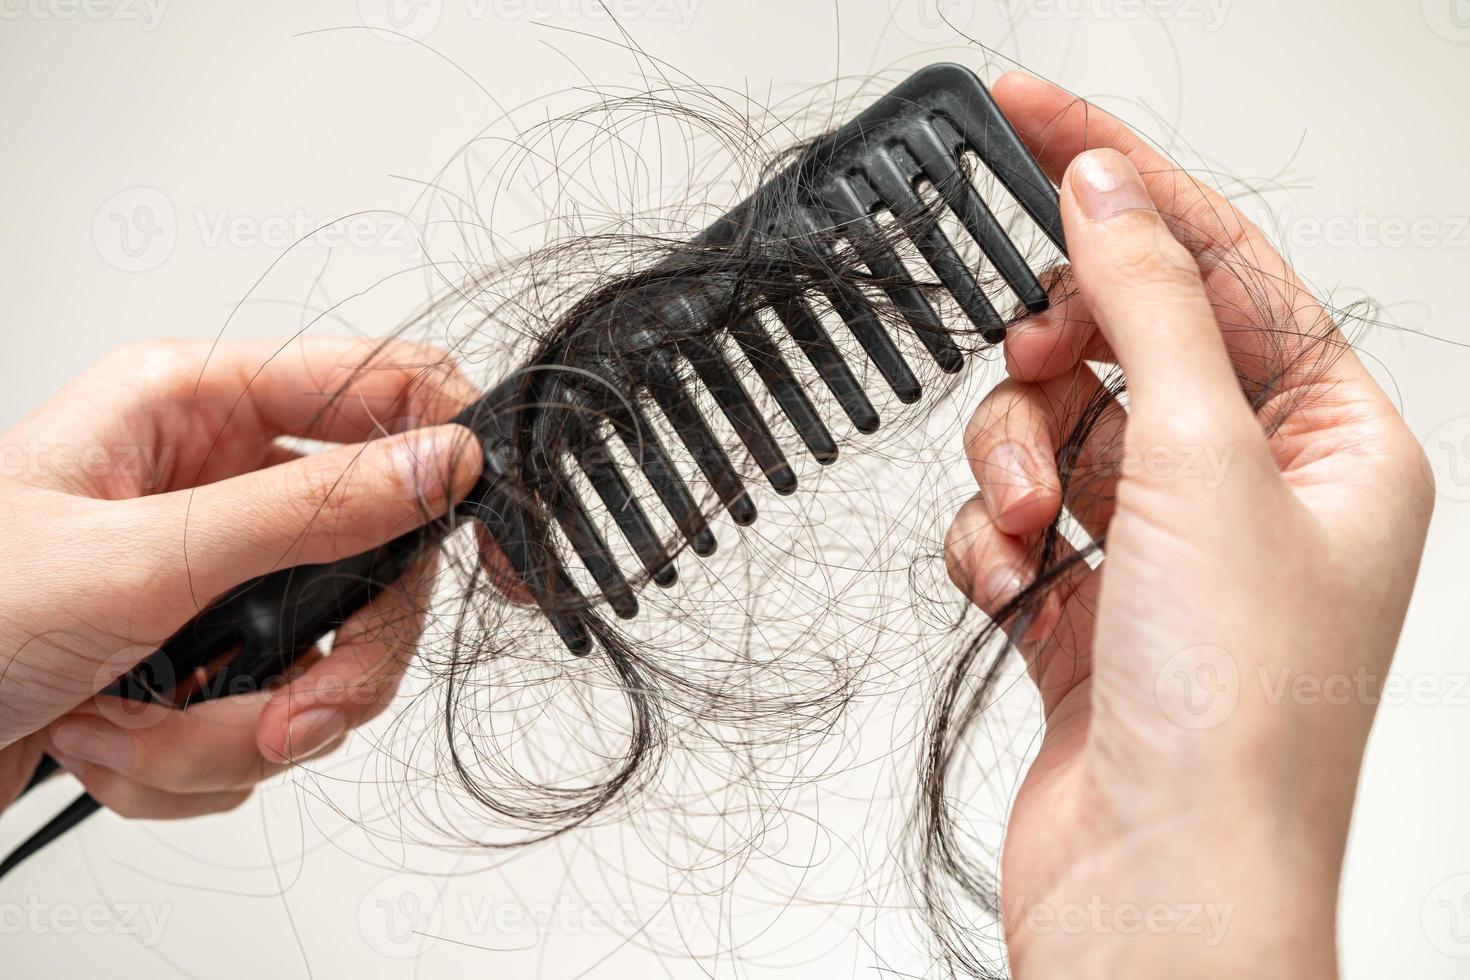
(157, 481)
(1300, 553)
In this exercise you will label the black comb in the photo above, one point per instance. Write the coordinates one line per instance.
(832, 195)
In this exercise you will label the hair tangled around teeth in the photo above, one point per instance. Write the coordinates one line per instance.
(695, 671)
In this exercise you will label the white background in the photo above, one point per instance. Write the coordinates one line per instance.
(1352, 109)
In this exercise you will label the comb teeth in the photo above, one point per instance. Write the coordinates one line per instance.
(812, 337)
(938, 160)
(830, 202)
(773, 371)
(709, 455)
(643, 443)
(853, 217)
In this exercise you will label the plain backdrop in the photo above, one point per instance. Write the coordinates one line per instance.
(158, 157)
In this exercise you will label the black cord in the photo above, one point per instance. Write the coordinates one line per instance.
(80, 809)
(253, 670)
(84, 806)
(47, 768)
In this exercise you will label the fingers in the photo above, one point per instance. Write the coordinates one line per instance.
(18, 762)
(178, 413)
(992, 568)
(174, 414)
(153, 761)
(1051, 343)
(1012, 442)
(355, 682)
(988, 565)
(1271, 321)
(1146, 294)
(320, 508)
(137, 801)
(157, 762)
(207, 748)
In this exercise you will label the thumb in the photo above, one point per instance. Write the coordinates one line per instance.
(319, 508)
(1146, 293)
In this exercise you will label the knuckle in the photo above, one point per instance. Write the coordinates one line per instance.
(1147, 256)
(956, 557)
(318, 493)
(1207, 224)
(993, 411)
(436, 388)
(960, 544)
(1155, 270)
(141, 350)
(1414, 468)
(371, 700)
(252, 768)
(158, 763)
(194, 771)
(358, 698)
(172, 775)
(153, 359)
(414, 353)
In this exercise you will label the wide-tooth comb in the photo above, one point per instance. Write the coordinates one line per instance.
(832, 193)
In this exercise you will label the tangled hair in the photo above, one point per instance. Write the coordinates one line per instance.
(735, 684)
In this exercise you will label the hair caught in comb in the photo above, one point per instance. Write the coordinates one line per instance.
(867, 268)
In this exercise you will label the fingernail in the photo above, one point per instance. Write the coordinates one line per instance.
(1010, 478)
(313, 729)
(432, 464)
(94, 740)
(1105, 184)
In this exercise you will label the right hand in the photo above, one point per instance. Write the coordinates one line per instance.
(1172, 774)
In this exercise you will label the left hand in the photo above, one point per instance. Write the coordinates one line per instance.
(154, 484)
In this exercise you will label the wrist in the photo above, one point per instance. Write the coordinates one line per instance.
(1200, 898)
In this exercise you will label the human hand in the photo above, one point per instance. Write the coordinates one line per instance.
(1243, 544)
(155, 483)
